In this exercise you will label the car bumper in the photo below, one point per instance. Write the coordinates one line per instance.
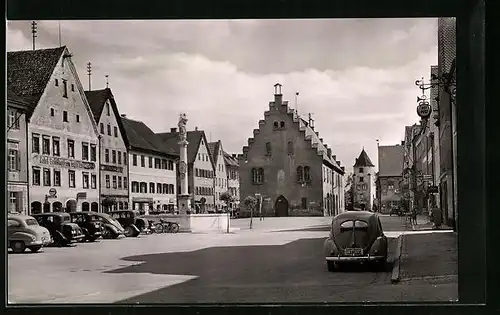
(76, 238)
(355, 258)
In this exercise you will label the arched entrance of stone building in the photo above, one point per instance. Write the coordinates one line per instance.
(281, 207)
(86, 207)
(57, 206)
(36, 207)
(94, 206)
(71, 205)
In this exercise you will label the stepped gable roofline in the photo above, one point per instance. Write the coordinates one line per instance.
(170, 141)
(363, 160)
(29, 72)
(142, 138)
(97, 99)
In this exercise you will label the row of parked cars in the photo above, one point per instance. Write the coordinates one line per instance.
(61, 228)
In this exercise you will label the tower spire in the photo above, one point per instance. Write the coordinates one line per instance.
(33, 32)
(89, 73)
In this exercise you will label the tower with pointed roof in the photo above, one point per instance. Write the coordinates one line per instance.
(364, 182)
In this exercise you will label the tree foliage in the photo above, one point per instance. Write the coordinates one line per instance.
(250, 202)
(226, 197)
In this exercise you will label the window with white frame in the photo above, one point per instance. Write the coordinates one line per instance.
(13, 122)
(93, 181)
(13, 160)
(85, 178)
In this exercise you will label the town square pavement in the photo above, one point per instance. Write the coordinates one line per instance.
(279, 260)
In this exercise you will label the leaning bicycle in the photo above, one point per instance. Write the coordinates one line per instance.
(169, 227)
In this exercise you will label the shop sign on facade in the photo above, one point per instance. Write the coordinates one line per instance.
(63, 162)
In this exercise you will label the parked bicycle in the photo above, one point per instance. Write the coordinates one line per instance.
(155, 227)
(169, 227)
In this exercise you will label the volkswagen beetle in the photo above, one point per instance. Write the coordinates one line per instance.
(355, 237)
(23, 232)
(112, 229)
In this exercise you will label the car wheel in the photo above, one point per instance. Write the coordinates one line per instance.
(107, 233)
(35, 249)
(129, 231)
(18, 246)
(331, 266)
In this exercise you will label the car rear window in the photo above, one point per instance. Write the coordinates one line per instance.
(358, 224)
(31, 222)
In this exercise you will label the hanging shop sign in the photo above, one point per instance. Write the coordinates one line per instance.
(63, 162)
(111, 168)
(424, 109)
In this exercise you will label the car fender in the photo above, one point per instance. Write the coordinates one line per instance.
(22, 236)
(111, 227)
(329, 247)
(135, 228)
(59, 236)
(381, 243)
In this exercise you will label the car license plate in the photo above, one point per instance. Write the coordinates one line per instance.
(353, 251)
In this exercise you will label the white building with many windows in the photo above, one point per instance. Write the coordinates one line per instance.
(62, 135)
(220, 169)
(152, 169)
(114, 191)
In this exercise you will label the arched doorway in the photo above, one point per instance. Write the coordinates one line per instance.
(86, 207)
(281, 207)
(36, 207)
(94, 207)
(71, 205)
(46, 207)
(57, 206)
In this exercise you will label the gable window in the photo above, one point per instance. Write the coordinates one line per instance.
(93, 152)
(113, 156)
(361, 170)
(106, 155)
(72, 87)
(282, 124)
(46, 145)
(134, 159)
(307, 174)
(57, 82)
(56, 146)
(52, 112)
(85, 151)
(65, 88)
(275, 125)
(257, 175)
(71, 148)
(108, 184)
(36, 143)
(77, 118)
(361, 179)
(102, 128)
(300, 174)
(109, 130)
(290, 147)
(107, 109)
(268, 149)
(65, 116)
(119, 157)
(115, 129)
(125, 158)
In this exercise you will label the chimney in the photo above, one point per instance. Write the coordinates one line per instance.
(329, 152)
(334, 157)
(123, 115)
(321, 139)
(196, 128)
(278, 97)
(173, 129)
(234, 155)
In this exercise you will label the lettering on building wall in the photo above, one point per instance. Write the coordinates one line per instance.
(63, 162)
(111, 168)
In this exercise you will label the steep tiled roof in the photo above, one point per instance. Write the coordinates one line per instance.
(363, 160)
(140, 137)
(15, 100)
(213, 148)
(97, 99)
(230, 160)
(447, 44)
(170, 141)
(390, 160)
(29, 71)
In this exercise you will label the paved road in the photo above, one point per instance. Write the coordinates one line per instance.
(247, 266)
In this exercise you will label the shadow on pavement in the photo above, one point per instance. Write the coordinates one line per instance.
(250, 273)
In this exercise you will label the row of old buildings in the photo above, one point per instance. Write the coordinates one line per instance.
(71, 150)
(421, 171)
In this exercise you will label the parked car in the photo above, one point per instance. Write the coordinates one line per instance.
(112, 229)
(356, 237)
(61, 229)
(130, 221)
(396, 211)
(23, 232)
(89, 223)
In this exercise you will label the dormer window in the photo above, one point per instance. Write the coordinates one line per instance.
(57, 82)
(282, 124)
(72, 87)
(107, 108)
(275, 125)
(65, 88)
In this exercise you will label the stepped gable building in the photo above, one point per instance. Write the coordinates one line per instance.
(201, 170)
(113, 164)
(63, 143)
(17, 153)
(233, 179)
(364, 182)
(287, 163)
(152, 169)
(390, 177)
(220, 180)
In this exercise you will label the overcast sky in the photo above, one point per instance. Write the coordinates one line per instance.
(355, 76)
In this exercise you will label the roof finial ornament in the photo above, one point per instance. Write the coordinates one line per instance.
(89, 73)
(107, 80)
(33, 31)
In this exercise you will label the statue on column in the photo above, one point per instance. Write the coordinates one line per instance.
(182, 127)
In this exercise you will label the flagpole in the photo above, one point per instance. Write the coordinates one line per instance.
(59, 33)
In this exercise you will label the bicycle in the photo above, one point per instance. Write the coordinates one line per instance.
(155, 227)
(169, 227)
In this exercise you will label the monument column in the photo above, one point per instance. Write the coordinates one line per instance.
(184, 198)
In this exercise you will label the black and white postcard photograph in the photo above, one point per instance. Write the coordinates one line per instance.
(231, 161)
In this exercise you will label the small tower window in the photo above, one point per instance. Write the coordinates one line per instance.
(57, 82)
(282, 124)
(275, 125)
(52, 112)
(290, 147)
(268, 149)
(77, 118)
(65, 88)
(361, 179)
(72, 87)
(361, 170)
(307, 174)
(65, 116)
(257, 175)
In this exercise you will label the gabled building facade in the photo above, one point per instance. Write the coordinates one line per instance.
(390, 177)
(113, 181)
(233, 179)
(200, 169)
(364, 182)
(220, 171)
(152, 169)
(287, 166)
(63, 143)
(17, 153)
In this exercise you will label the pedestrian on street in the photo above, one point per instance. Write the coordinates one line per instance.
(414, 216)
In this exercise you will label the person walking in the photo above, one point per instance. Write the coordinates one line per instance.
(414, 215)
